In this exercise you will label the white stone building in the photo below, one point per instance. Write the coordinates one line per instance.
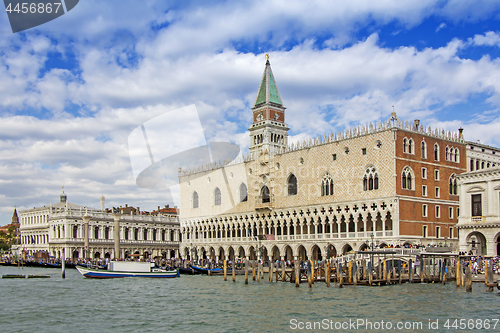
(479, 219)
(58, 230)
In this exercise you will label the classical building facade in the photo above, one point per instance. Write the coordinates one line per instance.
(59, 231)
(479, 220)
(481, 156)
(393, 183)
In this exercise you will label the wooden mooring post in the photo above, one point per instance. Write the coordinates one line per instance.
(283, 271)
(246, 271)
(253, 271)
(225, 270)
(341, 276)
(370, 273)
(468, 279)
(297, 273)
(233, 267)
(327, 274)
(458, 273)
(350, 271)
(410, 270)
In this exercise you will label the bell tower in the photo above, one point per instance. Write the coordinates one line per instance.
(268, 131)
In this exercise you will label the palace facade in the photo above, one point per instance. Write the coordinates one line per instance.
(391, 183)
(59, 231)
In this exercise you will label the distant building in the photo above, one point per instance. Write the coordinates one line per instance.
(392, 182)
(480, 156)
(479, 219)
(56, 229)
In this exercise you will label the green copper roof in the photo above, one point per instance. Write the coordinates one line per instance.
(268, 91)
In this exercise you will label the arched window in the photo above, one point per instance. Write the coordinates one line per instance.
(405, 145)
(370, 179)
(447, 154)
(411, 147)
(407, 179)
(436, 152)
(243, 193)
(96, 232)
(195, 199)
(217, 197)
(453, 185)
(457, 155)
(265, 194)
(423, 148)
(292, 185)
(145, 234)
(327, 185)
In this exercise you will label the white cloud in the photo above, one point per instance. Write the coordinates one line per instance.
(490, 38)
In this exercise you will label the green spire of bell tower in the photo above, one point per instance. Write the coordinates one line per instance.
(268, 91)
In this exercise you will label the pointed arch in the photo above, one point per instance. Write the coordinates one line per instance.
(423, 149)
(407, 177)
(370, 179)
(292, 185)
(265, 194)
(243, 192)
(217, 197)
(453, 187)
(327, 185)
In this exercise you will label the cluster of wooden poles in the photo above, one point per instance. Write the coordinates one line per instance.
(357, 273)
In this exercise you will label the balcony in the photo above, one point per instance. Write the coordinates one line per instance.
(477, 219)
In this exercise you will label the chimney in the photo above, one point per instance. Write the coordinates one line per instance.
(126, 205)
(460, 133)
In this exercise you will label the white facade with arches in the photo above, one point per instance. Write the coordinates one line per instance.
(479, 220)
(58, 231)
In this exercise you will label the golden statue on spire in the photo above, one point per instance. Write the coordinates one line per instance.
(267, 57)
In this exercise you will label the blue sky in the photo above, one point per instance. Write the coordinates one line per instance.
(73, 89)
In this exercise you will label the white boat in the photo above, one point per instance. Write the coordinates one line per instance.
(122, 269)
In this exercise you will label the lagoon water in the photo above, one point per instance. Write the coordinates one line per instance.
(210, 304)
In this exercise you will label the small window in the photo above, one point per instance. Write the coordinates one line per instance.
(217, 197)
(451, 232)
(424, 190)
(436, 152)
(436, 174)
(438, 211)
(424, 173)
(453, 186)
(363, 151)
(438, 193)
(425, 232)
(423, 148)
(334, 157)
(424, 210)
(438, 232)
(450, 212)
(195, 200)
(476, 205)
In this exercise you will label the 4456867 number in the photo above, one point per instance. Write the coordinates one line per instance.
(471, 324)
(33, 7)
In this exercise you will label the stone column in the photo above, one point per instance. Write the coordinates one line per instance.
(116, 235)
(86, 220)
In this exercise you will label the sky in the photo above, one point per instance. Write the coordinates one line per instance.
(74, 89)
